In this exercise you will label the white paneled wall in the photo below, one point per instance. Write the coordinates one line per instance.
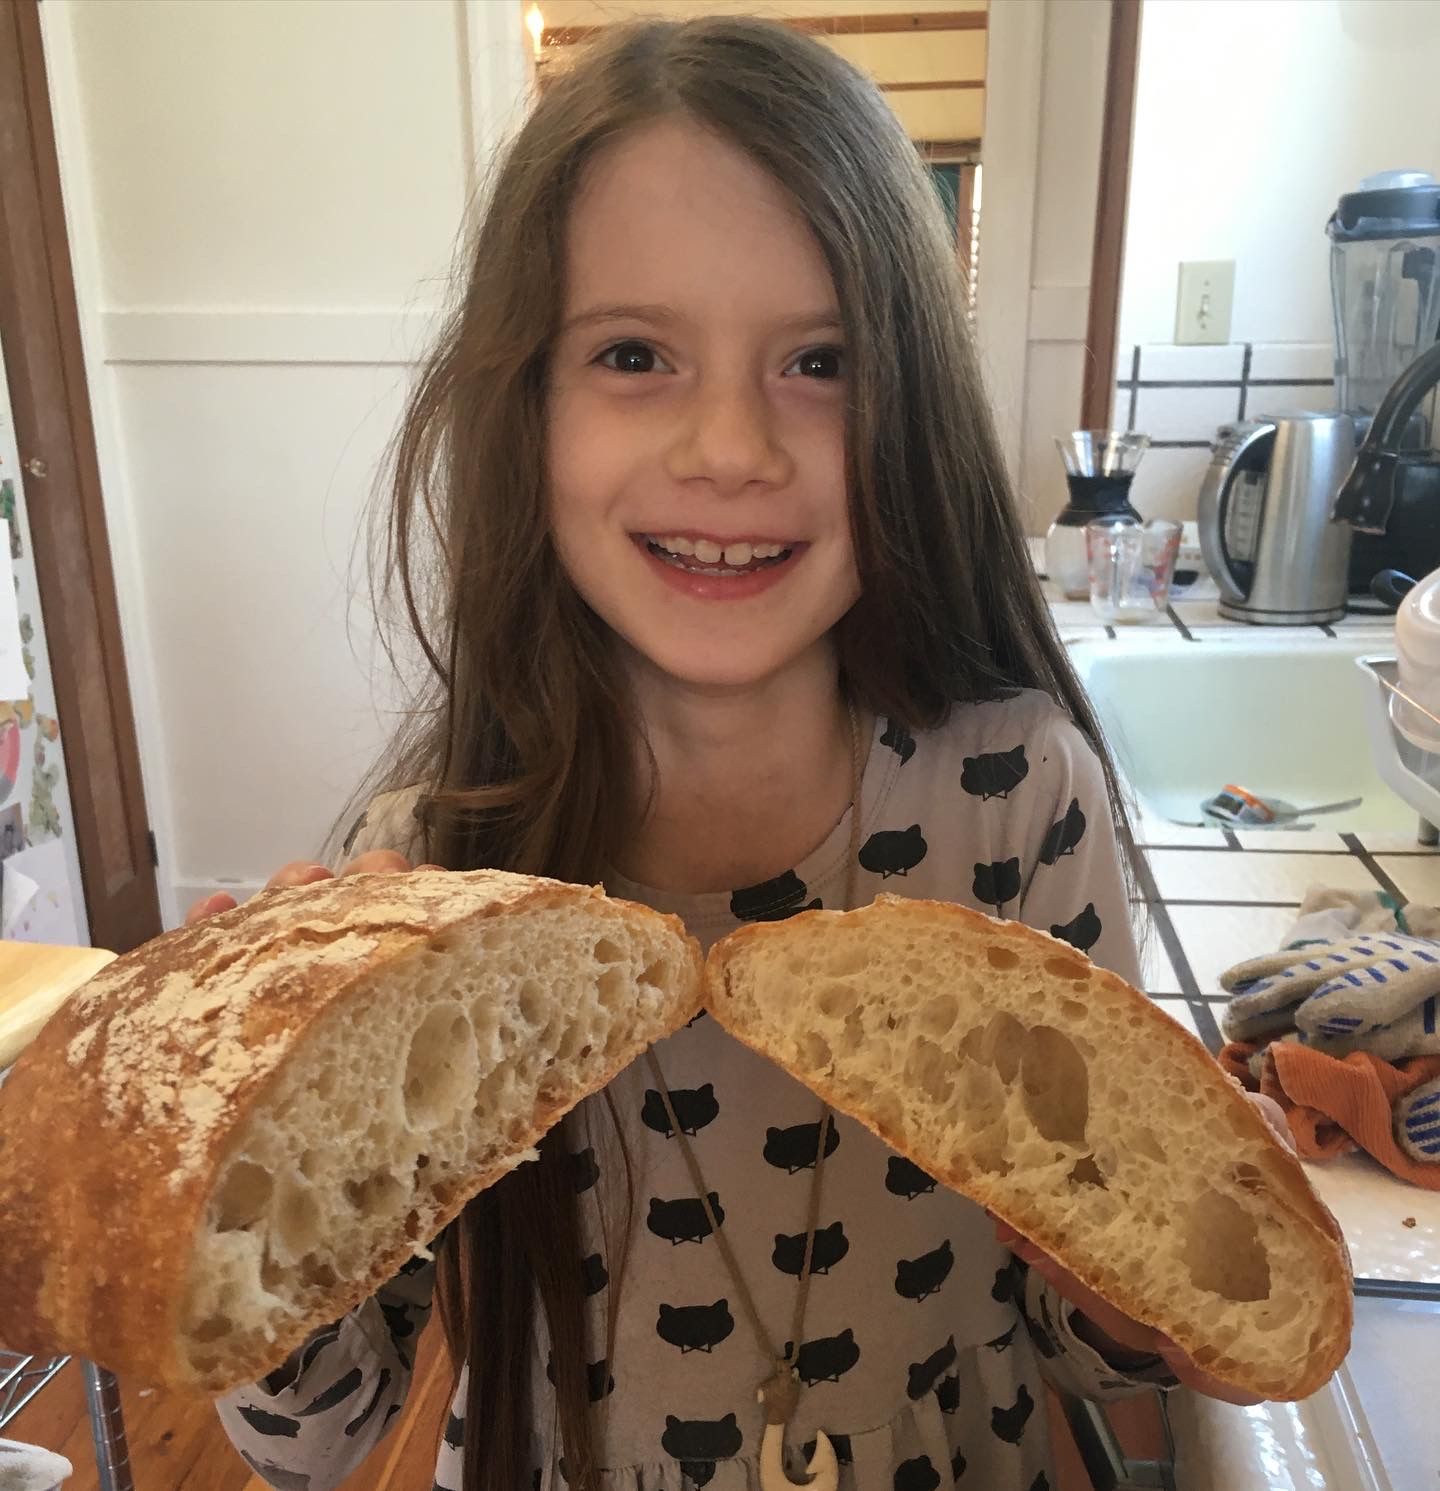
(264, 200)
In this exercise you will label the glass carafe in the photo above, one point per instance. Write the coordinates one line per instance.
(1099, 467)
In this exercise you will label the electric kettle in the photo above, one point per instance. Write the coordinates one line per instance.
(1265, 518)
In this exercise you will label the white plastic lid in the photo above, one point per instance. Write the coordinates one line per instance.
(1388, 181)
(26, 1467)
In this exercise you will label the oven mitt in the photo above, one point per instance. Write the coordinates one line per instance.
(1374, 993)
(1417, 1121)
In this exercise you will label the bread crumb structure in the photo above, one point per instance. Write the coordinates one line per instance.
(1009, 1067)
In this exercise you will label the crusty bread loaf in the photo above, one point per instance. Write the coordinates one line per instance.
(237, 1132)
(1010, 1068)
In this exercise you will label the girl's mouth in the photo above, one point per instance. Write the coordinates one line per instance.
(704, 556)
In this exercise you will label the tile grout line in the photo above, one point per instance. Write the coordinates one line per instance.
(1180, 626)
(1244, 380)
(1174, 949)
(1134, 386)
(1360, 852)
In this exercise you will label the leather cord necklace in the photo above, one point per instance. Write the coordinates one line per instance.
(780, 1392)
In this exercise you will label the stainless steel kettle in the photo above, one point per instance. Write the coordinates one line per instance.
(1265, 518)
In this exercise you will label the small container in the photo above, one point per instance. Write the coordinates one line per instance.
(1099, 467)
(1130, 566)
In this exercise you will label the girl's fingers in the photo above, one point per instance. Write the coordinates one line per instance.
(209, 906)
(377, 862)
(297, 872)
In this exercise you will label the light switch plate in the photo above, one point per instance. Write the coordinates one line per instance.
(1204, 302)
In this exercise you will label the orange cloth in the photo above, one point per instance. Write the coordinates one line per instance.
(1333, 1106)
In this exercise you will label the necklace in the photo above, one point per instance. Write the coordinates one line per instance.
(780, 1392)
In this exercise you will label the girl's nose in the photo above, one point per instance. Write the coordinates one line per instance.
(728, 437)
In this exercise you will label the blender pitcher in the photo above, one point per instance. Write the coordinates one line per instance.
(1099, 467)
(1384, 286)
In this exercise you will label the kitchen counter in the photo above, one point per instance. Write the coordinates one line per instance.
(1213, 897)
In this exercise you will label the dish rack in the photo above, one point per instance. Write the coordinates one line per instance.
(1411, 772)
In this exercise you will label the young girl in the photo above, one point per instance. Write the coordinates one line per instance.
(727, 605)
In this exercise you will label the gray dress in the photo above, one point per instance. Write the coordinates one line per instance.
(926, 1342)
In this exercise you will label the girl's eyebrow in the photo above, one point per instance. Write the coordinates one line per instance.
(661, 315)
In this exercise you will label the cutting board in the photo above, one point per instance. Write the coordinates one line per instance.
(35, 980)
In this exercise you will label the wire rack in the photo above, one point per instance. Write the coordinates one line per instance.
(21, 1377)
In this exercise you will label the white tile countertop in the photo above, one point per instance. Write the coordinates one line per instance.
(1210, 897)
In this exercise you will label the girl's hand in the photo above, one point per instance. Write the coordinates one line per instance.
(304, 872)
(1113, 1333)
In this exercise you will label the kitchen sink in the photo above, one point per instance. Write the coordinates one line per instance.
(1279, 717)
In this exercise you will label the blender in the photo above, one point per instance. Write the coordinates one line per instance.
(1385, 292)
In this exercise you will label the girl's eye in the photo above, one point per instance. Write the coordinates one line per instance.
(819, 362)
(631, 357)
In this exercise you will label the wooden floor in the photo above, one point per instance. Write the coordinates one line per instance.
(177, 1444)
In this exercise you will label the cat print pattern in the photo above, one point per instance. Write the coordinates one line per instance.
(923, 1343)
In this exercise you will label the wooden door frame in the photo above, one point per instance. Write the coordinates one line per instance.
(54, 431)
(1107, 266)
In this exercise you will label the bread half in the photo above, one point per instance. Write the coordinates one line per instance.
(1010, 1068)
(237, 1132)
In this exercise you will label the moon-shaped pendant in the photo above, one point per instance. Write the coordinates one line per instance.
(823, 1469)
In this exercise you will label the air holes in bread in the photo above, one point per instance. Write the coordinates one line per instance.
(939, 1015)
(997, 1044)
(1056, 1084)
(295, 1223)
(931, 1070)
(1001, 957)
(1223, 1252)
(815, 1052)
(1144, 1141)
(1087, 1173)
(244, 1196)
(441, 1067)
(607, 951)
(1068, 968)
(836, 1000)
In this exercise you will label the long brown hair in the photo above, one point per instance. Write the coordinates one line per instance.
(524, 735)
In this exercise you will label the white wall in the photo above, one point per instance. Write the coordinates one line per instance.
(264, 196)
(1250, 122)
(1053, 266)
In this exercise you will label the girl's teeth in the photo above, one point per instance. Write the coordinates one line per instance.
(706, 552)
(768, 551)
(737, 556)
(678, 545)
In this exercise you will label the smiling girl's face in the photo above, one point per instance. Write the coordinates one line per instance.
(696, 414)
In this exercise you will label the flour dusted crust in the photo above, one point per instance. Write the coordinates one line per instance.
(858, 1006)
(115, 1123)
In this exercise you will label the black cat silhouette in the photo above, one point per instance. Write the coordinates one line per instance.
(1040, 1483)
(947, 1395)
(594, 1273)
(363, 1417)
(797, 1148)
(958, 1464)
(699, 1472)
(1009, 1423)
(919, 1278)
(903, 1178)
(271, 1425)
(1003, 1343)
(831, 1245)
(694, 1108)
(893, 851)
(683, 1220)
(277, 1381)
(701, 1439)
(585, 1170)
(1009, 1285)
(997, 883)
(916, 1475)
(455, 1432)
(337, 1392)
(695, 1327)
(826, 1359)
(840, 1443)
(772, 900)
(995, 774)
(899, 739)
(598, 1381)
(415, 1264)
(924, 1375)
(1082, 933)
(1062, 837)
